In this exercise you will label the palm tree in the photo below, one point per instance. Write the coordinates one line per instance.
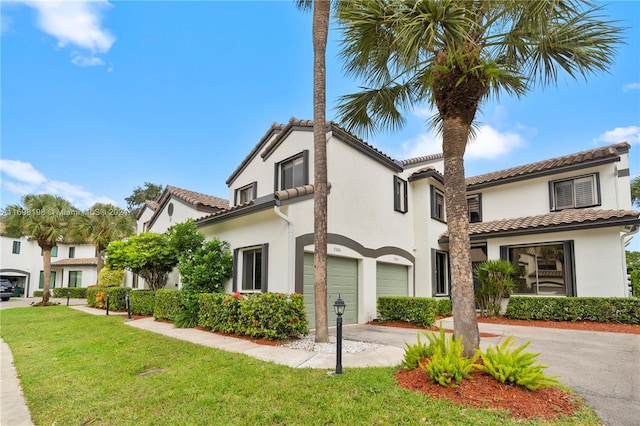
(320, 31)
(100, 225)
(455, 54)
(45, 218)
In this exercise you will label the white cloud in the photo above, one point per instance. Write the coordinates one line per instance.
(490, 143)
(24, 172)
(77, 23)
(27, 180)
(630, 134)
(84, 61)
(631, 86)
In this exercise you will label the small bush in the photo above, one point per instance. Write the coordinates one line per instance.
(265, 315)
(415, 310)
(111, 278)
(167, 306)
(38, 293)
(414, 354)
(448, 366)
(597, 309)
(74, 292)
(444, 307)
(496, 280)
(142, 302)
(515, 366)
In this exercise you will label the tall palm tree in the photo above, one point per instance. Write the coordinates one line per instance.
(100, 225)
(45, 218)
(320, 31)
(455, 54)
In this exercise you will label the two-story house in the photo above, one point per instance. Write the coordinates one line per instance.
(564, 221)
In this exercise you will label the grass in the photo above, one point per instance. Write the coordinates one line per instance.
(79, 369)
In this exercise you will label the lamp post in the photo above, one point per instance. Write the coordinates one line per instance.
(107, 303)
(68, 295)
(127, 300)
(339, 307)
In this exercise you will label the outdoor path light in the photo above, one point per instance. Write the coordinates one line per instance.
(68, 295)
(339, 306)
(128, 301)
(107, 303)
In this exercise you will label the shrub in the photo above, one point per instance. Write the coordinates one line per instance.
(74, 292)
(515, 366)
(167, 305)
(142, 302)
(92, 292)
(416, 310)
(444, 307)
(496, 281)
(38, 293)
(265, 315)
(110, 278)
(597, 309)
(116, 297)
(414, 354)
(448, 365)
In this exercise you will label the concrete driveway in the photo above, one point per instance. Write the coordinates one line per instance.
(603, 368)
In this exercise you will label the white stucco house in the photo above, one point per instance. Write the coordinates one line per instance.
(72, 265)
(564, 221)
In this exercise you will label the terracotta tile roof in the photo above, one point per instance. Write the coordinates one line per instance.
(425, 172)
(423, 159)
(90, 261)
(196, 199)
(593, 155)
(152, 205)
(554, 221)
(288, 194)
(273, 130)
(227, 210)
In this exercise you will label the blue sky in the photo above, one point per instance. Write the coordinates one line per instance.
(99, 97)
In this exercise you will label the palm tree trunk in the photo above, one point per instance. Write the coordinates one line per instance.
(99, 261)
(46, 274)
(321, 12)
(465, 323)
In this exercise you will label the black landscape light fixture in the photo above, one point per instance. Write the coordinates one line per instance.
(339, 306)
(68, 295)
(128, 302)
(107, 303)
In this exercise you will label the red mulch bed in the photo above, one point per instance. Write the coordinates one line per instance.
(483, 391)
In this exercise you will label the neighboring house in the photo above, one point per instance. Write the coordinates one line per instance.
(175, 205)
(564, 221)
(72, 265)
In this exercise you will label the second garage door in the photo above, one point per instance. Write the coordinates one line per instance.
(392, 280)
(342, 279)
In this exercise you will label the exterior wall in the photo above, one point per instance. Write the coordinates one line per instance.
(141, 223)
(599, 258)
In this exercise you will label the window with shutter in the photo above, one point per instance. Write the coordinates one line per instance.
(575, 193)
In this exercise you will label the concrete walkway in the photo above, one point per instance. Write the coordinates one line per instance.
(603, 368)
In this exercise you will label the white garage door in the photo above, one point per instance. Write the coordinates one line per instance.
(392, 280)
(342, 279)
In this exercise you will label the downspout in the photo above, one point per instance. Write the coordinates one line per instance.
(291, 261)
(615, 184)
(633, 230)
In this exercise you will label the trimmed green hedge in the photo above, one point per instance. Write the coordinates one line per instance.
(444, 308)
(415, 310)
(142, 302)
(167, 305)
(597, 309)
(96, 298)
(273, 316)
(75, 292)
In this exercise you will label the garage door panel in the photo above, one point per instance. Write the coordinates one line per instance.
(342, 280)
(392, 280)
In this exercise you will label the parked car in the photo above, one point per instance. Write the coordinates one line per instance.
(6, 289)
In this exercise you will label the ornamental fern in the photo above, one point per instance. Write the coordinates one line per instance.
(414, 354)
(515, 366)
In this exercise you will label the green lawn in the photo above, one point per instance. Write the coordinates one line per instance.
(79, 369)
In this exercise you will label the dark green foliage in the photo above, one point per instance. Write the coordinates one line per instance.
(117, 298)
(142, 302)
(415, 310)
(273, 316)
(633, 267)
(135, 201)
(111, 277)
(597, 309)
(448, 365)
(167, 305)
(515, 366)
(443, 307)
(496, 280)
(75, 292)
(91, 296)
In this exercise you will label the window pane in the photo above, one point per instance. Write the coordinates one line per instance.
(54, 251)
(248, 270)
(72, 252)
(258, 270)
(298, 172)
(564, 194)
(584, 192)
(541, 269)
(16, 247)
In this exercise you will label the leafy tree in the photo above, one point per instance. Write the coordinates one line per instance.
(633, 269)
(111, 277)
(320, 31)
(102, 224)
(148, 254)
(455, 54)
(635, 191)
(203, 266)
(150, 192)
(45, 218)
